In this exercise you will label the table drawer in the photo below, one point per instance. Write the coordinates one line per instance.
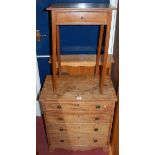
(81, 128)
(64, 18)
(52, 117)
(81, 107)
(77, 139)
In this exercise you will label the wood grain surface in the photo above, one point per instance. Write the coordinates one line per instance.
(69, 87)
(77, 116)
(74, 105)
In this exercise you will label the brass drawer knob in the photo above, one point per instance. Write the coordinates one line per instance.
(60, 118)
(98, 106)
(95, 140)
(97, 118)
(61, 140)
(59, 106)
(96, 129)
(61, 129)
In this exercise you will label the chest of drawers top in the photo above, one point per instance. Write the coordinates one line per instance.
(77, 89)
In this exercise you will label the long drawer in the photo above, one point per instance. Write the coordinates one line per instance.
(77, 140)
(52, 117)
(65, 18)
(81, 128)
(76, 147)
(82, 107)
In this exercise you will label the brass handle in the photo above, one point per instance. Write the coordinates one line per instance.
(95, 140)
(60, 118)
(96, 129)
(59, 106)
(62, 140)
(61, 129)
(97, 118)
(98, 106)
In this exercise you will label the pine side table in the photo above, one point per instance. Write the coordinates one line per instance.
(80, 14)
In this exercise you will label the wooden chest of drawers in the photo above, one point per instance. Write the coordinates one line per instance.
(77, 116)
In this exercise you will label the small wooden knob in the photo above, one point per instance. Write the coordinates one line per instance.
(62, 140)
(81, 17)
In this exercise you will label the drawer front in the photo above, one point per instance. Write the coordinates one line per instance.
(77, 147)
(81, 107)
(77, 140)
(82, 128)
(64, 18)
(52, 117)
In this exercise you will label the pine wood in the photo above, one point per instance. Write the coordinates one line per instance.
(71, 117)
(115, 79)
(82, 64)
(105, 52)
(81, 7)
(77, 116)
(81, 107)
(81, 18)
(78, 128)
(80, 14)
(58, 50)
(54, 50)
(71, 86)
(64, 140)
(99, 50)
(86, 60)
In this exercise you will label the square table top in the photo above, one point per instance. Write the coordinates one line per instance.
(81, 6)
